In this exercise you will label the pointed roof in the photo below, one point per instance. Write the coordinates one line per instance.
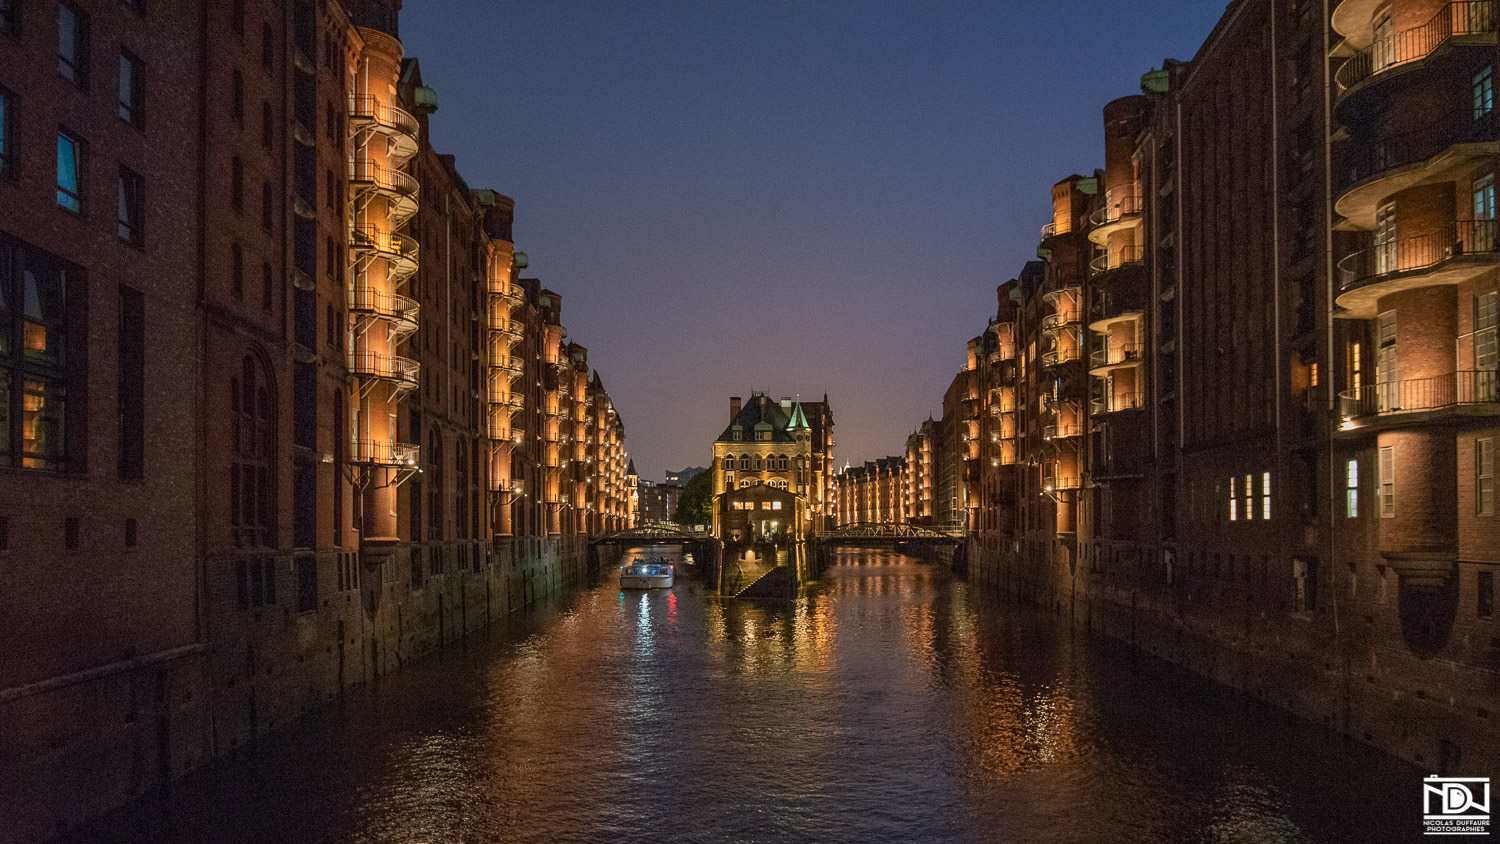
(799, 419)
(630, 469)
(760, 413)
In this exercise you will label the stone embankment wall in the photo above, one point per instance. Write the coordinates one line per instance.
(75, 747)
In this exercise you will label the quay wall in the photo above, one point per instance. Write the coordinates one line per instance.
(1323, 666)
(77, 746)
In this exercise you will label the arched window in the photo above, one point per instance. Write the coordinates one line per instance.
(252, 497)
(728, 462)
(755, 463)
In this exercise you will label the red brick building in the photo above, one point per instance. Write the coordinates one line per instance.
(272, 391)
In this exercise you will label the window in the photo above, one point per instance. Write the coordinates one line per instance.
(1265, 495)
(1387, 481)
(70, 170)
(267, 126)
(1304, 585)
(1483, 87)
(307, 583)
(1385, 239)
(1351, 489)
(35, 369)
(1485, 346)
(255, 582)
(237, 16)
(236, 270)
(1249, 497)
(1386, 387)
(237, 97)
(73, 44)
(10, 17)
(267, 213)
(1484, 476)
(251, 469)
(1234, 501)
(131, 384)
(132, 89)
(265, 286)
(237, 183)
(1481, 237)
(70, 533)
(7, 132)
(132, 533)
(132, 207)
(267, 47)
(1484, 603)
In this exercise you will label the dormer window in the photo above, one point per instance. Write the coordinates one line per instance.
(736, 433)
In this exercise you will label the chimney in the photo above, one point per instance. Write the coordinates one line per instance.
(786, 405)
(734, 408)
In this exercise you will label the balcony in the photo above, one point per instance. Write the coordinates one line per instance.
(1060, 432)
(396, 124)
(508, 364)
(1114, 357)
(1469, 392)
(1116, 402)
(1128, 256)
(384, 453)
(402, 373)
(398, 250)
(1061, 298)
(1470, 20)
(1452, 255)
(1441, 151)
(398, 188)
(1121, 210)
(402, 312)
(503, 325)
(1057, 483)
(1052, 323)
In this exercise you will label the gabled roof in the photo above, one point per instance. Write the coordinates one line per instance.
(760, 413)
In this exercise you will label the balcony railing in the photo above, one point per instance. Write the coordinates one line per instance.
(1060, 432)
(1416, 395)
(1462, 126)
(384, 453)
(1414, 254)
(1463, 17)
(1119, 203)
(404, 372)
(386, 179)
(1053, 483)
(1111, 355)
(1056, 322)
(389, 116)
(1049, 230)
(400, 309)
(1115, 259)
(1116, 402)
(503, 324)
(509, 364)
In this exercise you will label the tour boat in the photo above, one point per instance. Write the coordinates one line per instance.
(649, 573)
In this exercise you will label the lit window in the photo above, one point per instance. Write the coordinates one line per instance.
(72, 44)
(34, 366)
(70, 160)
(132, 89)
(1351, 489)
(1387, 481)
(1480, 236)
(1265, 495)
(1234, 501)
(1484, 476)
(132, 207)
(1249, 497)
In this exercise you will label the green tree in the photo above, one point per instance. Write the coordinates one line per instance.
(695, 507)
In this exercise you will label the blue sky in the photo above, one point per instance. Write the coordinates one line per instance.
(794, 197)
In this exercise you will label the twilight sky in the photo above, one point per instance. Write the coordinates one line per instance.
(791, 196)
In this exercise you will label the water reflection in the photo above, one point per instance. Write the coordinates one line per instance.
(889, 703)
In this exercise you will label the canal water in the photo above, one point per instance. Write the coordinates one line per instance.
(890, 703)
